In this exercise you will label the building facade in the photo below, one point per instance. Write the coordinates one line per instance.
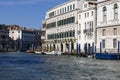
(108, 25)
(37, 38)
(15, 35)
(4, 38)
(61, 26)
(24, 38)
(43, 35)
(87, 27)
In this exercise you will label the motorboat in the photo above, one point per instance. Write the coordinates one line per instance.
(38, 52)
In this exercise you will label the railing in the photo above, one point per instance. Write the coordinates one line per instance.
(102, 23)
(87, 30)
(113, 22)
(107, 23)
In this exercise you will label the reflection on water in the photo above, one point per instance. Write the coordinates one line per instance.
(23, 66)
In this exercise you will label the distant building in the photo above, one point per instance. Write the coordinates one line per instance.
(37, 39)
(108, 25)
(15, 35)
(4, 38)
(24, 38)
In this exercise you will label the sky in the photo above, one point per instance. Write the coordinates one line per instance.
(25, 13)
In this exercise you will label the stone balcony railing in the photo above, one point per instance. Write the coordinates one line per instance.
(108, 23)
(87, 30)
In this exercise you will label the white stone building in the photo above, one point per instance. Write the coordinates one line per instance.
(62, 26)
(108, 25)
(86, 27)
(22, 38)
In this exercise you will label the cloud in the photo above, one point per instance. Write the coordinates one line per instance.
(21, 2)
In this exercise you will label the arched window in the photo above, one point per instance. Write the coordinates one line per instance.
(104, 9)
(104, 14)
(115, 11)
(115, 6)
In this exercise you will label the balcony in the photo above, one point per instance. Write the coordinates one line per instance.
(102, 23)
(108, 23)
(87, 30)
(113, 22)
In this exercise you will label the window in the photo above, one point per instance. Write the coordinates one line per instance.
(79, 16)
(50, 25)
(85, 25)
(66, 21)
(115, 11)
(92, 13)
(60, 11)
(114, 43)
(79, 26)
(65, 9)
(57, 11)
(103, 32)
(85, 15)
(92, 24)
(85, 5)
(73, 6)
(70, 7)
(103, 43)
(73, 33)
(115, 31)
(51, 14)
(104, 14)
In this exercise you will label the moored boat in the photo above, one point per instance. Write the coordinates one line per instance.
(29, 51)
(37, 52)
(110, 56)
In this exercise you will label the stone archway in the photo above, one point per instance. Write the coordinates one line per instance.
(89, 49)
(61, 47)
(72, 47)
(47, 48)
(50, 47)
(54, 47)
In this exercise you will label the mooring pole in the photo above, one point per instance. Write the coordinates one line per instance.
(79, 50)
(118, 47)
(100, 47)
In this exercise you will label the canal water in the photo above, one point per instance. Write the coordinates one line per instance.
(24, 66)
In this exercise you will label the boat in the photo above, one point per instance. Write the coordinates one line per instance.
(49, 53)
(37, 52)
(29, 51)
(53, 53)
(109, 56)
(58, 53)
